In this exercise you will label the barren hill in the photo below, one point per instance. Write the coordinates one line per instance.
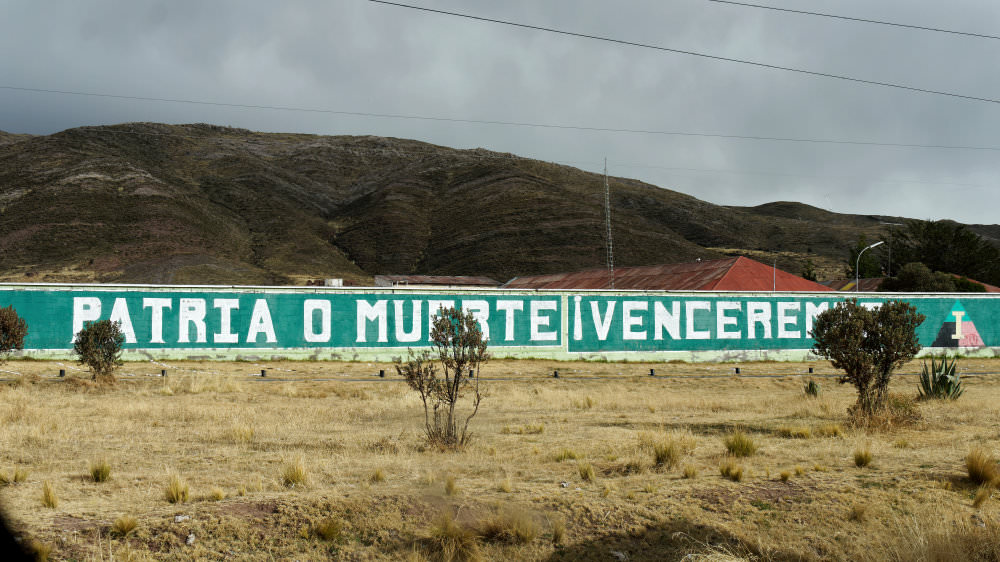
(148, 202)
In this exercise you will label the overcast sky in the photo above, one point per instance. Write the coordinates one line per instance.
(357, 56)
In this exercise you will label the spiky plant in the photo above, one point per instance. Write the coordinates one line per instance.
(812, 388)
(941, 381)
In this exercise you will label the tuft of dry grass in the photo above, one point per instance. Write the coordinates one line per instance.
(862, 457)
(982, 467)
(124, 526)
(982, 494)
(799, 471)
(329, 529)
(586, 471)
(505, 486)
(829, 430)
(100, 470)
(428, 478)
(49, 498)
(739, 444)
(42, 551)
(900, 410)
(690, 472)
(785, 475)
(796, 432)
(294, 473)
(857, 513)
(509, 525)
(666, 454)
(527, 429)
(20, 475)
(177, 490)
(450, 486)
(242, 433)
(451, 541)
(558, 525)
(377, 475)
(566, 454)
(217, 494)
(731, 470)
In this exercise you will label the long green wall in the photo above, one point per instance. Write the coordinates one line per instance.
(215, 322)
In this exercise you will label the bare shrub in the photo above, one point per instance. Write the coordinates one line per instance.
(459, 347)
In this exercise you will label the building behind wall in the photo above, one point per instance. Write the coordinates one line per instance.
(728, 274)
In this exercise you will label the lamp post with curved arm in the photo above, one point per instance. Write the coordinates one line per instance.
(857, 265)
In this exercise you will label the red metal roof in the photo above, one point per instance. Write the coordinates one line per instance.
(728, 274)
(477, 281)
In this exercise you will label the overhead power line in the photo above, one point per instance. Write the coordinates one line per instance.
(508, 123)
(694, 53)
(863, 20)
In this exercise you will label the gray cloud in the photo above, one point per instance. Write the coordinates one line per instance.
(357, 56)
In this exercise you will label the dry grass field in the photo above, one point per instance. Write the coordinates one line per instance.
(326, 460)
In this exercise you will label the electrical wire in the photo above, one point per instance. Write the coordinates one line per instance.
(693, 53)
(863, 20)
(508, 123)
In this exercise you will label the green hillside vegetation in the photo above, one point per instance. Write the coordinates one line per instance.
(147, 202)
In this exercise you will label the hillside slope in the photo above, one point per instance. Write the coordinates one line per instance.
(148, 202)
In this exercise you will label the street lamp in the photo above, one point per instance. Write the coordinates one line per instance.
(857, 265)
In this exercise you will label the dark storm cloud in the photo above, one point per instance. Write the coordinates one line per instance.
(357, 56)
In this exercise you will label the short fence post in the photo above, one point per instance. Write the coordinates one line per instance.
(652, 372)
(381, 373)
(163, 372)
(62, 373)
(555, 374)
(736, 370)
(810, 370)
(263, 372)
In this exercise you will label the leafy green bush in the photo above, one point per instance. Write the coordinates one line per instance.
(13, 330)
(868, 345)
(99, 346)
(941, 381)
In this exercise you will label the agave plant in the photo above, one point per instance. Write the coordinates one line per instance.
(941, 380)
(812, 388)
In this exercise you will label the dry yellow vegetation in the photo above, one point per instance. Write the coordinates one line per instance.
(366, 487)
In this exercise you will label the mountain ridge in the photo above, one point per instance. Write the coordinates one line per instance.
(149, 202)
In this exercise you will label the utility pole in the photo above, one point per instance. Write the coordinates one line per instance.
(607, 223)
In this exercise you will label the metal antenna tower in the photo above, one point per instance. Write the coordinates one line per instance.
(607, 223)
